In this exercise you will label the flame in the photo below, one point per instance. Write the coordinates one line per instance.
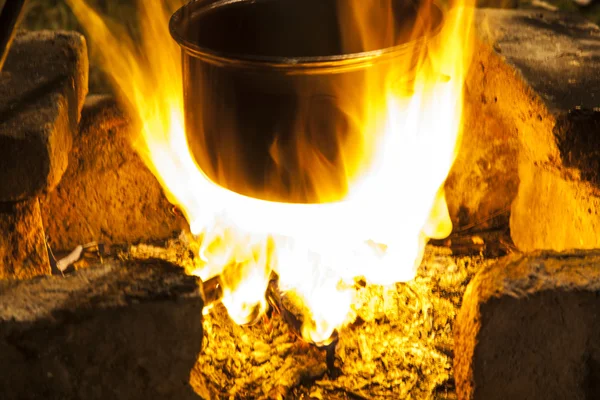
(374, 225)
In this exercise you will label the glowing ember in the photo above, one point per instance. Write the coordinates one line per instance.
(393, 199)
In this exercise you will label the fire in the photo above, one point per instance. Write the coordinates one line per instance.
(374, 226)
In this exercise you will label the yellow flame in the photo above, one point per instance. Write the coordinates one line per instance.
(374, 226)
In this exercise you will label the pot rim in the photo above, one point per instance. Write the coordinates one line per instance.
(311, 64)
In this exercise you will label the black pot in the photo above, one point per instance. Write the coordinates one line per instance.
(256, 71)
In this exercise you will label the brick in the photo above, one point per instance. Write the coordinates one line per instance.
(532, 117)
(555, 210)
(23, 252)
(500, 110)
(557, 57)
(555, 53)
(129, 330)
(42, 88)
(528, 328)
(558, 203)
(484, 178)
(107, 194)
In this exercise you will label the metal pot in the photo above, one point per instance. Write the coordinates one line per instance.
(256, 71)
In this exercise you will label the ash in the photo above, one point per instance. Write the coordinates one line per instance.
(400, 345)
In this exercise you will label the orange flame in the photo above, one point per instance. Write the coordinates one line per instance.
(374, 226)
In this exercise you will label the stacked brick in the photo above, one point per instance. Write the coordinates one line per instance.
(42, 89)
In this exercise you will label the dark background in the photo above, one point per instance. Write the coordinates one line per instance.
(55, 14)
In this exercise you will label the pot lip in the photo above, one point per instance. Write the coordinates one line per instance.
(316, 63)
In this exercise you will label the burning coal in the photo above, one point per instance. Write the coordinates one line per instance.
(373, 206)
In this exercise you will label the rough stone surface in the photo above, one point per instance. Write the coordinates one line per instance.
(540, 78)
(23, 252)
(528, 328)
(555, 210)
(122, 330)
(556, 53)
(499, 109)
(107, 194)
(484, 179)
(42, 88)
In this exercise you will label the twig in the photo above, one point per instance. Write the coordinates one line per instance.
(213, 291)
(71, 258)
(52, 258)
(74, 256)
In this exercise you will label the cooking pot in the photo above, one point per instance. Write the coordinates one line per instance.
(260, 74)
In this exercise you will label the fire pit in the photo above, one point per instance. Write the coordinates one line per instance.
(318, 154)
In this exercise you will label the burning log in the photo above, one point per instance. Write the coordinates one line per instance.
(287, 304)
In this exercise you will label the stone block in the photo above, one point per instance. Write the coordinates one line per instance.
(499, 108)
(536, 75)
(558, 203)
(23, 252)
(121, 330)
(107, 194)
(555, 53)
(483, 181)
(42, 88)
(528, 328)
(555, 210)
